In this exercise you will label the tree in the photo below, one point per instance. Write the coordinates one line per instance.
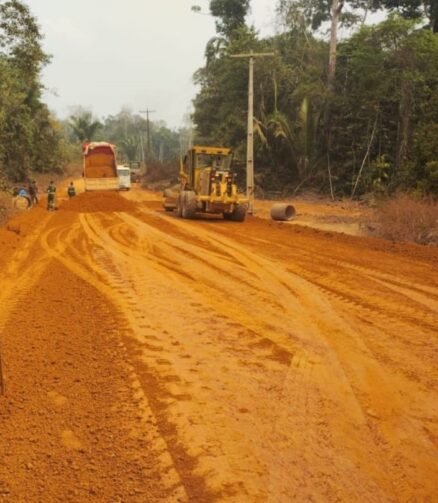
(230, 13)
(413, 9)
(20, 37)
(30, 138)
(84, 126)
(387, 84)
(130, 148)
(316, 12)
(289, 92)
(383, 108)
(128, 131)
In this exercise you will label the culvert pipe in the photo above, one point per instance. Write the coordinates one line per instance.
(282, 212)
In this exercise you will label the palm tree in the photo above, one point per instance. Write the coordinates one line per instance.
(299, 136)
(84, 127)
(130, 148)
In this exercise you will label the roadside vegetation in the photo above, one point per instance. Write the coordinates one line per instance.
(406, 219)
(31, 139)
(348, 118)
(137, 140)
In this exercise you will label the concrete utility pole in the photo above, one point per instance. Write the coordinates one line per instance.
(250, 140)
(148, 130)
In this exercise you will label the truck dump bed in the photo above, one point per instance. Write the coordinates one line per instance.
(100, 168)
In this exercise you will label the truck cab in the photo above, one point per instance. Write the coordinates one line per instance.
(124, 175)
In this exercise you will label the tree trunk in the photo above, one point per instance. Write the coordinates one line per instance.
(336, 9)
(433, 16)
(373, 132)
(404, 126)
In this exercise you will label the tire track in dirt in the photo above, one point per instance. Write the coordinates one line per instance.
(18, 279)
(321, 270)
(68, 422)
(392, 452)
(72, 248)
(261, 368)
(158, 353)
(263, 269)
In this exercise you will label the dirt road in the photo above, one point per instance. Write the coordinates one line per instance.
(149, 358)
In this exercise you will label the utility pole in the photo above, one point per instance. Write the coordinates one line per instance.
(148, 130)
(142, 148)
(250, 139)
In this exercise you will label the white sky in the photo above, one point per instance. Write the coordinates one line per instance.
(136, 53)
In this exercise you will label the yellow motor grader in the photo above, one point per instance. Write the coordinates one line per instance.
(207, 185)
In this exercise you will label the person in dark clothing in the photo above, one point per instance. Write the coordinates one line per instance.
(35, 191)
(32, 191)
(71, 191)
(51, 195)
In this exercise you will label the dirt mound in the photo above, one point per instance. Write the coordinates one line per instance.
(91, 202)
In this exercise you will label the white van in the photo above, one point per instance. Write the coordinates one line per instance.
(124, 174)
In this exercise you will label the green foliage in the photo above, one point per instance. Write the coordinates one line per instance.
(313, 13)
(376, 176)
(383, 110)
(128, 132)
(386, 73)
(84, 126)
(20, 38)
(130, 147)
(289, 93)
(230, 13)
(413, 9)
(30, 138)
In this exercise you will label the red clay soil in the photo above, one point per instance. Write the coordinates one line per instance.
(16, 230)
(153, 359)
(92, 202)
(70, 429)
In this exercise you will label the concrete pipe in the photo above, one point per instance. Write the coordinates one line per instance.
(282, 212)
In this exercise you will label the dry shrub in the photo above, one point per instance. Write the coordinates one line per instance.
(407, 219)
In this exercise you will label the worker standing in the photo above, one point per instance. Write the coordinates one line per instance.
(71, 191)
(35, 191)
(51, 196)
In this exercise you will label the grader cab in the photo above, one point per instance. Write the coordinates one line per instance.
(207, 185)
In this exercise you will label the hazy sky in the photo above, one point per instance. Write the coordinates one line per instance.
(107, 54)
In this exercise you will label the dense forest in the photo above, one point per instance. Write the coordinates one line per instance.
(356, 116)
(30, 138)
(137, 139)
(343, 115)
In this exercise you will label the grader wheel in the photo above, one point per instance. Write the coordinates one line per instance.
(189, 204)
(238, 215)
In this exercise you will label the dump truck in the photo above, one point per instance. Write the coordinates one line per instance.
(100, 167)
(206, 185)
